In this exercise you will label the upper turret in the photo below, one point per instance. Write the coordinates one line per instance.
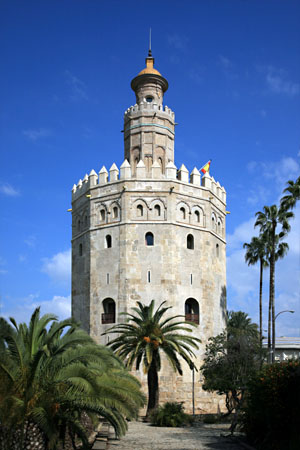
(149, 85)
(148, 126)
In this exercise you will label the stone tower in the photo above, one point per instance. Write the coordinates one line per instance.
(151, 231)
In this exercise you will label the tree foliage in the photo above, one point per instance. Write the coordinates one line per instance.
(272, 410)
(52, 372)
(146, 335)
(256, 251)
(231, 359)
(292, 196)
(268, 221)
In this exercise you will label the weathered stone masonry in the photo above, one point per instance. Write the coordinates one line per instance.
(149, 231)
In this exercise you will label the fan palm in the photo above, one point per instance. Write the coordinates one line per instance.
(256, 251)
(50, 377)
(145, 336)
(268, 220)
(293, 194)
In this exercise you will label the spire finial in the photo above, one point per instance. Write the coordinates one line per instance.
(150, 52)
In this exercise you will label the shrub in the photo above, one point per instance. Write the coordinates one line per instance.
(210, 419)
(271, 419)
(171, 414)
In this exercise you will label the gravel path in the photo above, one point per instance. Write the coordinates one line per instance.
(142, 436)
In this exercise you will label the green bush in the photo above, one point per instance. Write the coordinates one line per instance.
(271, 419)
(171, 414)
(210, 419)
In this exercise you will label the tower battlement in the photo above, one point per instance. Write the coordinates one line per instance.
(145, 107)
(125, 173)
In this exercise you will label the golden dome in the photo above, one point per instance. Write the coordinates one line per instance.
(149, 69)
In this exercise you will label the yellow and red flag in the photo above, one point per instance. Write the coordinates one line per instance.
(205, 168)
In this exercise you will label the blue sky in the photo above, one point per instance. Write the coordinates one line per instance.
(234, 84)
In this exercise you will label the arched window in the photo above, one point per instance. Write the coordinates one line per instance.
(109, 308)
(85, 221)
(149, 276)
(219, 226)
(80, 249)
(115, 212)
(140, 211)
(190, 241)
(160, 162)
(217, 250)
(108, 241)
(102, 215)
(182, 211)
(213, 222)
(149, 239)
(78, 225)
(197, 216)
(192, 310)
(157, 210)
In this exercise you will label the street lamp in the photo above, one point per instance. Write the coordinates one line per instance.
(273, 337)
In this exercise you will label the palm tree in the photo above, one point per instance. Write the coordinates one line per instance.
(51, 377)
(145, 336)
(293, 194)
(268, 220)
(256, 251)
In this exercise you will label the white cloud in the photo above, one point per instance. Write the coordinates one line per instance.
(287, 168)
(278, 83)
(78, 87)
(35, 135)
(58, 267)
(8, 189)
(241, 234)
(23, 309)
(59, 305)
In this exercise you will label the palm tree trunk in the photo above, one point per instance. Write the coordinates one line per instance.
(269, 319)
(153, 391)
(260, 300)
(272, 292)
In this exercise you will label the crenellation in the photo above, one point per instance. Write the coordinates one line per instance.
(125, 170)
(183, 174)
(156, 170)
(113, 173)
(144, 107)
(195, 177)
(141, 170)
(171, 171)
(103, 175)
(93, 178)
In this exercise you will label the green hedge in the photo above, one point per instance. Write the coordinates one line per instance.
(272, 413)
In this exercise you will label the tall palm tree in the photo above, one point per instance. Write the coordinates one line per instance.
(257, 251)
(268, 220)
(145, 336)
(293, 194)
(51, 374)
